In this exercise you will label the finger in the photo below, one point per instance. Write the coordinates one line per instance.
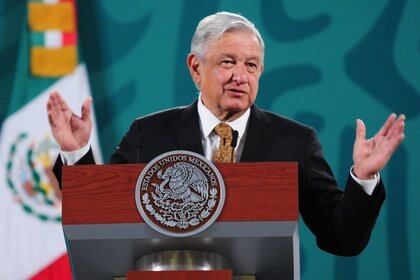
(397, 126)
(55, 102)
(51, 119)
(49, 104)
(396, 138)
(395, 141)
(86, 108)
(387, 125)
(61, 103)
(371, 143)
(52, 111)
(52, 107)
(360, 130)
(56, 113)
(49, 107)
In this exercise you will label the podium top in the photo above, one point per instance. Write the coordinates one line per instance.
(104, 194)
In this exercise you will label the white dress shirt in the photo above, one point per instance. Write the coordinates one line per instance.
(210, 141)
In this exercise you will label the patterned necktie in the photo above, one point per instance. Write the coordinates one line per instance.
(225, 153)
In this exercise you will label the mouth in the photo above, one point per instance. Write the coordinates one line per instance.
(236, 91)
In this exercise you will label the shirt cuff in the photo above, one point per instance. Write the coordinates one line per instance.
(70, 158)
(367, 185)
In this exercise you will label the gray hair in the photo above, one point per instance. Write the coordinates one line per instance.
(212, 28)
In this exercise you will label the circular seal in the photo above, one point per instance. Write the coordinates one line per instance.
(30, 178)
(180, 193)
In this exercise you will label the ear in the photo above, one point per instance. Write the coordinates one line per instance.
(193, 64)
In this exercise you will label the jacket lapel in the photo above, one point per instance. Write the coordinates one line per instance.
(258, 137)
(187, 130)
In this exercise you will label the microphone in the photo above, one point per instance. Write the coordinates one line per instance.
(235, 135)
(234, 142)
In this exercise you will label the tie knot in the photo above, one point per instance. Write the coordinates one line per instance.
(223, 130)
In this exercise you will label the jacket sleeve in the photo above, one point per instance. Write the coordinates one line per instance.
(126, 152)
(341, 221)
(57, 168)
(129, 148)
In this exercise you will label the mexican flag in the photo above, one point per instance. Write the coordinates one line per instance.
(32, 244)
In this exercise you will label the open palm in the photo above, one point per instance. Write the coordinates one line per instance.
(70, 131)
(371, 155)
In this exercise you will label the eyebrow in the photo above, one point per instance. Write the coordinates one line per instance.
(227, 55)
(233, 57)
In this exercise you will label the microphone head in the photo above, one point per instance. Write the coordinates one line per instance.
(235, 135)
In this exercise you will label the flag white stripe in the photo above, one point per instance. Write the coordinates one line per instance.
(51, 1)
(53, 39)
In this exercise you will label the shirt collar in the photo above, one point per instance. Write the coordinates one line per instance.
(209, 121)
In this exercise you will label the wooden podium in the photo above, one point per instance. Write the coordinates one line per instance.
(257, 229)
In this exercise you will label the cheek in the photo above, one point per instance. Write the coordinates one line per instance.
(221, 76)
(253, 86)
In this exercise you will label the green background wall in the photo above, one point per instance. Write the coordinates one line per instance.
(327, 63)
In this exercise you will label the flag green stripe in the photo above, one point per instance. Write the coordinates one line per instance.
(37, 39)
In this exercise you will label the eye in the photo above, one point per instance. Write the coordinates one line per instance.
(227, 63)
(252, 67)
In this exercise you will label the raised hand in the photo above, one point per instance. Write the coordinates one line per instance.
(371, 155)
(70, 131)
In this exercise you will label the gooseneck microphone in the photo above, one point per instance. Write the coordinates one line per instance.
(235, 135)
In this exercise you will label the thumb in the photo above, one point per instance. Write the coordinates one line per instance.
(86, 108)
(360, 130)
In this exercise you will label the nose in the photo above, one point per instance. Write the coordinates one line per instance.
(239, 76)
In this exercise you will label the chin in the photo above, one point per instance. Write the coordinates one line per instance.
(237, 107)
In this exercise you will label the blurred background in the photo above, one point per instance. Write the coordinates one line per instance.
(326, 64)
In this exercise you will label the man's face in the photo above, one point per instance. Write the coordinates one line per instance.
(229, 76)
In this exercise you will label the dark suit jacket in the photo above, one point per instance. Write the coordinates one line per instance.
(341, 221)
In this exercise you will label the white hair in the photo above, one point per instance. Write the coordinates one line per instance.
(212, 28)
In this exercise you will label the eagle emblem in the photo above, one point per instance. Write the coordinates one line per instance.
(180, 193)
(186, 183)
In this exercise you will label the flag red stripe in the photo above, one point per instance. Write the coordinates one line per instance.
(58, 269)
(69, 39)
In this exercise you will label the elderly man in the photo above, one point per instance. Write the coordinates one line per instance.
(226, 62)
